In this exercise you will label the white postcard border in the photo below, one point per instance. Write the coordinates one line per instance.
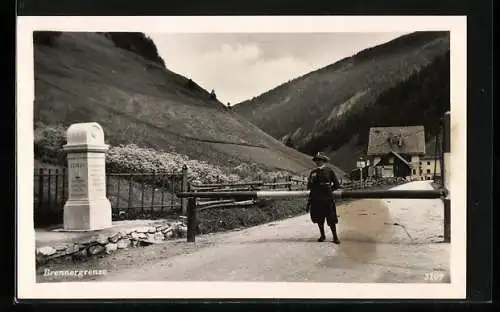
(26, 283)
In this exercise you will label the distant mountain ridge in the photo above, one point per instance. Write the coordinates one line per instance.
(402, 82)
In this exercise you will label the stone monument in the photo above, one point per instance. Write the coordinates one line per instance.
(87, 208)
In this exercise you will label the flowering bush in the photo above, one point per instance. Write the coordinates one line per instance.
(248, 172)
(218, 220)
(48, 143)
(132, 158)
(275, 175)
(254, 172)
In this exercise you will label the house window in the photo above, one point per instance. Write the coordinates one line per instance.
(428, 163)
(414, 171)
(420, 163)
(428, 171)
(391, 160)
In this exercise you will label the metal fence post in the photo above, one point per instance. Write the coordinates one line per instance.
(446, 177)
(56, 195)
(49, 190)
(40, 189)
(191, 219)
(184, 189)
(130, 194)
(64, 183)
(153, 188)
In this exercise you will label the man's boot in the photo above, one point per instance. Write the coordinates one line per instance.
(335, 236)
(322, 232)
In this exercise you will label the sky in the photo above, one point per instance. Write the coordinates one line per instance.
(240, 66)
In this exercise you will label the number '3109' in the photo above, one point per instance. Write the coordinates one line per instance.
(434, 276)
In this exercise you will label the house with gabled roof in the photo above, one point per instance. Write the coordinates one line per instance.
(396, 151)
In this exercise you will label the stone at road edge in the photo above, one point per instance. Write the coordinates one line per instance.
(111, 247)
(61, 247)
(46, 251)
(115, 237)
(96, 249)
(97, 244)
(101, 239)
(73, 248)
(123, 243)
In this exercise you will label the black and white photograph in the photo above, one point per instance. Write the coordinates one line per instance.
(260, 157)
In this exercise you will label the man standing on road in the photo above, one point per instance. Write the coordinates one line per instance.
(321, 204)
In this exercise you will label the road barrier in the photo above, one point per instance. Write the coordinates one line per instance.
(338, 194)
(248, 196)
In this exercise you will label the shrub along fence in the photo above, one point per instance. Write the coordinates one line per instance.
(132, 195)
(370, 183)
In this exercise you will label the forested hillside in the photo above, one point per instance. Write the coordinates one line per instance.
(403, 82)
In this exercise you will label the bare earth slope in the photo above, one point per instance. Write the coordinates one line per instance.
(84, 77)
(402, 82)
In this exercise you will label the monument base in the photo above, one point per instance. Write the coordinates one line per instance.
(87, 215)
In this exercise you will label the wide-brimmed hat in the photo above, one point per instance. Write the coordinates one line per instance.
(321, 156)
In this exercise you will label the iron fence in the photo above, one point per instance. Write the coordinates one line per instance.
(132, 195)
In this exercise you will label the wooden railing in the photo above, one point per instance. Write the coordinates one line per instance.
(287, 183)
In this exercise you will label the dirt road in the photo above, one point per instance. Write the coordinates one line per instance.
(396, 241)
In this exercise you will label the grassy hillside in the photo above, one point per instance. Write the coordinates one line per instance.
(128, 89)
(402, 82)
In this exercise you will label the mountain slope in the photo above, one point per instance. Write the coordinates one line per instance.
(82, 77)
(402, 82)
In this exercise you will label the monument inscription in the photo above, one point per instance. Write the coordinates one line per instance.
(97, 177)
(87, 207)
(78, 182)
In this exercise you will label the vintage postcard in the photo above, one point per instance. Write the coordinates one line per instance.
(241, 157)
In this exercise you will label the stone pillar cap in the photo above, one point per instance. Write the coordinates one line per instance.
(85, 135)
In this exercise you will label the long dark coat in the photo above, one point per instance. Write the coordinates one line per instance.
(321, 183)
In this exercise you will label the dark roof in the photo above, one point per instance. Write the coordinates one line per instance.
(402, 140)
(385, 159)
(430, 157)
(401, 158)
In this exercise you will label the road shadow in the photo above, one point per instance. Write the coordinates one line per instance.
(362, 226)
(287, 239)
(358, 240)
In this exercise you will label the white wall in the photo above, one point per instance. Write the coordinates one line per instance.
(428, 168)
(423, 169)
(415, 159)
